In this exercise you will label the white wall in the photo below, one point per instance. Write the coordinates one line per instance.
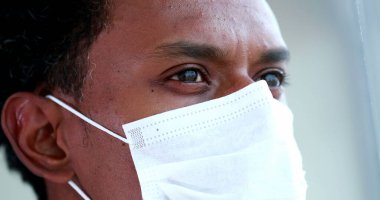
(330, 95)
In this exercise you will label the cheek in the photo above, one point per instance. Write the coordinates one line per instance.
(147, 101)
(102, 164)
(278, 93)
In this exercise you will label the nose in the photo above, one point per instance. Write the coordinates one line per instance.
(233, 84)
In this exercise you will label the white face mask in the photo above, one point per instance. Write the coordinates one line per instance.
(240, 146)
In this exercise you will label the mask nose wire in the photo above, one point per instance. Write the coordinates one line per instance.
(86, 119)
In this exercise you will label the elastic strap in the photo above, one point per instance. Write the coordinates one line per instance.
(86, 119)
(78, 190)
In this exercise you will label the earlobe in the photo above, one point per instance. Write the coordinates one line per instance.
(31, 123)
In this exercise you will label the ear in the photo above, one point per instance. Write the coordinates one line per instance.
(31, 123)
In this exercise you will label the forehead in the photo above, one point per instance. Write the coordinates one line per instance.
(190, 9)
(212, 21)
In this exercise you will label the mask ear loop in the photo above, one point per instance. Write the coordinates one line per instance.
(93, 123)
(78, 190)
(86, 119)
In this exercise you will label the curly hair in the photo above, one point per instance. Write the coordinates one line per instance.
(46, 42)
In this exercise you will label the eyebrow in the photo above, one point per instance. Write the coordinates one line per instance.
(189, 49)
(275, 56)
(204, 51)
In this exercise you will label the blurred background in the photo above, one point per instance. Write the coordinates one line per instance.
(334, 93)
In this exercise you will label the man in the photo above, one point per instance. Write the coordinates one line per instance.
(117, 62)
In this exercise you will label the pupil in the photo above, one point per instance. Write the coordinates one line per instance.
(188, 76)
(272, 80)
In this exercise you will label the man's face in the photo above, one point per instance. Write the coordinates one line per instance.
(161, 55)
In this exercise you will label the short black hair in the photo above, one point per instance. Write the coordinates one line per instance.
(44, 42)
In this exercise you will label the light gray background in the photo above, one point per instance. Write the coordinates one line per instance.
(334, 74)
(334, 93)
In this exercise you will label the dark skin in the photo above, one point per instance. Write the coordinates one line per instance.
(155, 56)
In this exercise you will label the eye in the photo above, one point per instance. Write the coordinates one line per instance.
(187, 79)
(274, 78)
(188, 76)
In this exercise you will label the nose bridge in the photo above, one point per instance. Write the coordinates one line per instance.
(233, 84)
(235, 74)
